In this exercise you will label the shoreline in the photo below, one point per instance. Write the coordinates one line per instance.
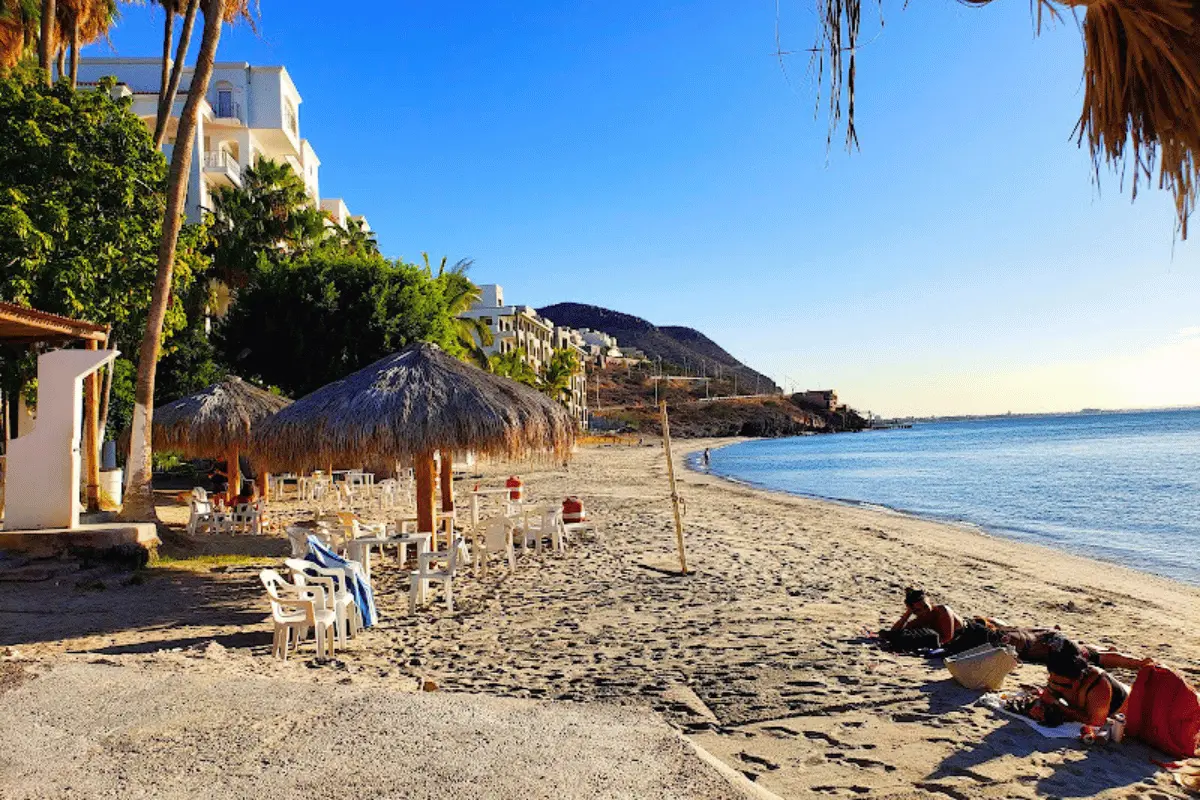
(966, 526)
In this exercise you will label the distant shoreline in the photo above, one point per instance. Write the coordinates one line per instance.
(1083, 412)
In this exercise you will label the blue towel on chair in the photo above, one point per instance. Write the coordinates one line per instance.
(360, 588)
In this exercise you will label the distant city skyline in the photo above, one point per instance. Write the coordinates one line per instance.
(654, 158)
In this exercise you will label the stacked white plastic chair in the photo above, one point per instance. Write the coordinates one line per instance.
(296, 610)
(335, 583)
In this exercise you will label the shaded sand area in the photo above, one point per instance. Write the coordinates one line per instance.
(758, 656)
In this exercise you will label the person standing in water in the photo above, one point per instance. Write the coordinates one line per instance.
(707, 458)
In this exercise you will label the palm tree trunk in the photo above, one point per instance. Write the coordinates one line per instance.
(74, 54)
(139, 497)
(168, 36)
(46, 42)
(61, 63)
(185, 39)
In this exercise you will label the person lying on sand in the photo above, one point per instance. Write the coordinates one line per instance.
(1035, 646)
(923, 626)
(1081, 691)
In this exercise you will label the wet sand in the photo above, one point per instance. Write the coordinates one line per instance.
(758, 655)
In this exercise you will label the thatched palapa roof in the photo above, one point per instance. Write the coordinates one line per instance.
(1141, 78)
(414, 401)
(209, 423)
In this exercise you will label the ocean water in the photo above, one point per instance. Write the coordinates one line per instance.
(1122, 487)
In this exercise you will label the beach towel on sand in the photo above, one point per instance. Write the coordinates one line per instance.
(360, 588)
(1068, 730)
(1164, 712)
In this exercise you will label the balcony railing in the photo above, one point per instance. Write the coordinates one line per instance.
(221, 159)
(222, 162)
(228, 110)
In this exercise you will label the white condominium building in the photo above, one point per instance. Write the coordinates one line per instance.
(522, 327)
(249, 112)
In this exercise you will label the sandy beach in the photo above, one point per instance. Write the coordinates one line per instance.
(758, 656)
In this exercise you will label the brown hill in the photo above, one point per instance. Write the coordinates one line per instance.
(682, 350)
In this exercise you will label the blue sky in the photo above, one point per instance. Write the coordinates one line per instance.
(653, 157)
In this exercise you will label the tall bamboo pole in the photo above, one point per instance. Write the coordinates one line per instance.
(666, 436)
(447, 481)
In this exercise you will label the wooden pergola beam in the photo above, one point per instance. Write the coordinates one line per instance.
(28, 325)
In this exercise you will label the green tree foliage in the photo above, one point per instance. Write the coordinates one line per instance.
(81, 204)
(470, 336)
(356, 239)
(512, 365)
(556, 382)
(303, 324)
(266, 220)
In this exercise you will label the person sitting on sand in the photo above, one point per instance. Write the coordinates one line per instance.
(924, 626)
(248, 494)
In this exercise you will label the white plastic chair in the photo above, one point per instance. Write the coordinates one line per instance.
(427, 572)
(247, 518)
(295, 609)
(203, 518)
(552, 523)
(336, 584)
(298, 538)
(494, 536)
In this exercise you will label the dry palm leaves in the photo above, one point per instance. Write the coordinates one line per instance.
(1141, 71)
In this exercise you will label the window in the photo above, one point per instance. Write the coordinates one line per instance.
(289, 111)
(225, 102)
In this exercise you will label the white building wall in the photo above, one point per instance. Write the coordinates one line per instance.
(260, 120)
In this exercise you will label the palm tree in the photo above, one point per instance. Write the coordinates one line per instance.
(1141, 80)
(556, 383)
(356, 238)
(169, 85)
(471, 335)
(139, 499)
(512, 365)
(81, 22)
(46, 41)
(19, 22)
(270, 213)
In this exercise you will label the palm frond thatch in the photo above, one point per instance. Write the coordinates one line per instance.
(210, 422)
(1141, 74)
(414, 401)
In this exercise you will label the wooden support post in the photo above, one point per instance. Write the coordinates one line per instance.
(233, 469)
(666, 437)
(424, 473)
(91, 448)
(447, 481)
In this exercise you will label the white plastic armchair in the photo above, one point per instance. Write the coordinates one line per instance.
(247, 518)
(295, 609)
(441, 567)
(336, 585)
(204, 519)
(494, 535)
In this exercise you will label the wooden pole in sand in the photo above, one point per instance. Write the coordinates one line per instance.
(666, 437)
(233, 472)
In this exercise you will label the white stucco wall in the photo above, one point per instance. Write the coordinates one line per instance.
(42, 480)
